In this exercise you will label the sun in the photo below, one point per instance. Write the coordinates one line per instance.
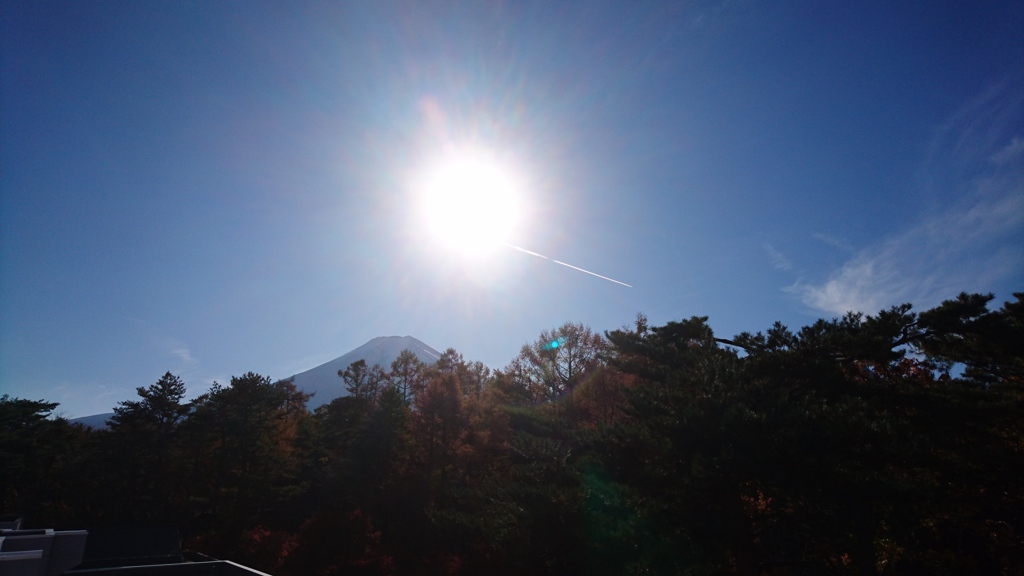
(470, 201)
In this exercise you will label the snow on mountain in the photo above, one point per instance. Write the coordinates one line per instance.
(324, 379)
(96, 421)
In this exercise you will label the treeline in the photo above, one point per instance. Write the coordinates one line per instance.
(886, 444)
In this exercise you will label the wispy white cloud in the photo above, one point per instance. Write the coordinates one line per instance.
(1013, 152)
(183, 360)
(834, 242)
(183, 354)
(710, 14)
(957, 251)
(970, 245)
(779, 260)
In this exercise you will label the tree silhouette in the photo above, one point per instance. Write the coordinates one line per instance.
(558, 362)
(244, 442)
(407, 375)
(146, 453)
(852, 445)
(42, 460)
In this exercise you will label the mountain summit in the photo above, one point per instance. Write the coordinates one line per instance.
(324, 379)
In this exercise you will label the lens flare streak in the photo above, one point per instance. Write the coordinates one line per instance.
(532, 253)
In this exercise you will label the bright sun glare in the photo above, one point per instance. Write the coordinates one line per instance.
(470, 201)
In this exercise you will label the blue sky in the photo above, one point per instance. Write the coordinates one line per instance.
(218, 187)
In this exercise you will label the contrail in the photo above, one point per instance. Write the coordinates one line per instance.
(532, 253)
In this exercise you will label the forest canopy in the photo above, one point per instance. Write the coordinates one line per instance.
(882, 444)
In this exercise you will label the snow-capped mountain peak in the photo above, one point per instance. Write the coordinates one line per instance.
(325, 382)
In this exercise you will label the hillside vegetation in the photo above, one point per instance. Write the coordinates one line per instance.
(885, 444)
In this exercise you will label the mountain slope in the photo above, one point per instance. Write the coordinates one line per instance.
(327, 385)
(96, 421)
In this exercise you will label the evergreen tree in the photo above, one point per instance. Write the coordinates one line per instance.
(23, 425)
(160, 409)
(244, 444)
(45, 472)
(854, 445)
(146, 453)
(989, 344)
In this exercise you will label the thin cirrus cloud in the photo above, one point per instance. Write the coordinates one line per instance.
(968, 246)
(1012, 153)
(778, 259)
(183, 355)
(834, 242)
(932, 261)
(183, 360)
